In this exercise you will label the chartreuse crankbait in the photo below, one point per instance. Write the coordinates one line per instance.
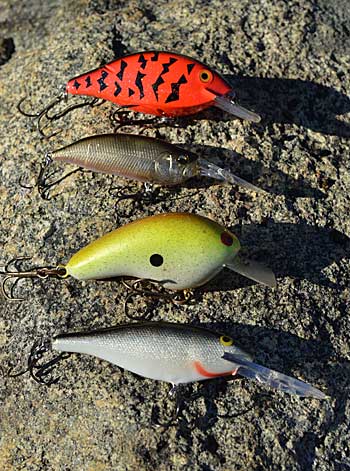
(155, 82)
(175, 353)
(179, 251)
(141, 158)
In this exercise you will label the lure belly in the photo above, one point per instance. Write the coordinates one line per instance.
(178, 250)
(159, 83)
(141, 158)
(176, 353)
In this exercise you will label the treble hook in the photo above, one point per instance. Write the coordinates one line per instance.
(177, 298)
(17, 274)
(119, 118)
(41, 372)
(177, 395)
(44, 113)
(148, 195)
(62, 96)
(42, 183)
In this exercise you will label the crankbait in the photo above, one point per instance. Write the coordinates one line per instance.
(154, 82)
(175, 353)
(142, 158)
(179, 251)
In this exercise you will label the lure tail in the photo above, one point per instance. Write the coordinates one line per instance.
(211, 170)
(253, 270)
(273, 378)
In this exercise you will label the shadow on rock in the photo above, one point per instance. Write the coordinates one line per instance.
(294, 101)
(314, 361)
(7, 49)
(299, 251)
(271, 180)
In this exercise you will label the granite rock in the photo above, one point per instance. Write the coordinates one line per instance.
(288, 61)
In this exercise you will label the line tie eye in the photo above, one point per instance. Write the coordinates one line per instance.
(62, 271)
(226, 341)
(205, 76)
(183, 159)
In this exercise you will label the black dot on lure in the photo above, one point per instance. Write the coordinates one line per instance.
(156, 260)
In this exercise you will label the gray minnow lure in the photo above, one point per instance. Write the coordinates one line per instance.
(141, 158)
(176, 353)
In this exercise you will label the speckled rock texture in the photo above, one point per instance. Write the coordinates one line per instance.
(288, 61)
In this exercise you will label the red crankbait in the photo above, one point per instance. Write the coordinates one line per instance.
(157, 83)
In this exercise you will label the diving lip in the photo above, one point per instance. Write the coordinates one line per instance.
(226, 103)
(273, 378)
(211, 170)
(252, 270)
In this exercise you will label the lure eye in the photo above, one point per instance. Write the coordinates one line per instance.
(226, 341)
(183, 159)
(226, 239)
(205, 76)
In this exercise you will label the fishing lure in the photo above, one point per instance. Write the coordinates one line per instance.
(141, 158)
(179, 251)
(154, 82)
(175, 353)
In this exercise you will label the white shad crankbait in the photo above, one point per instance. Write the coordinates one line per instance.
(175, 353)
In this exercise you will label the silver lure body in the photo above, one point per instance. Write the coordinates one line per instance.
(162, 351)
(177, 353)
(142, 158)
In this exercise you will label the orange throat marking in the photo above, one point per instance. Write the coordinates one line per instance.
(207, 374)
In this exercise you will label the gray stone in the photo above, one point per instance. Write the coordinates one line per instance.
(288, 61)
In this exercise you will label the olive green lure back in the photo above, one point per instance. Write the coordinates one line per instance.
(178, 250)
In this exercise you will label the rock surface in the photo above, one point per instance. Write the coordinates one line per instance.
(289, 61)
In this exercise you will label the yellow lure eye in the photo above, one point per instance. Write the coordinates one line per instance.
(226, 341)
(205, 76)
